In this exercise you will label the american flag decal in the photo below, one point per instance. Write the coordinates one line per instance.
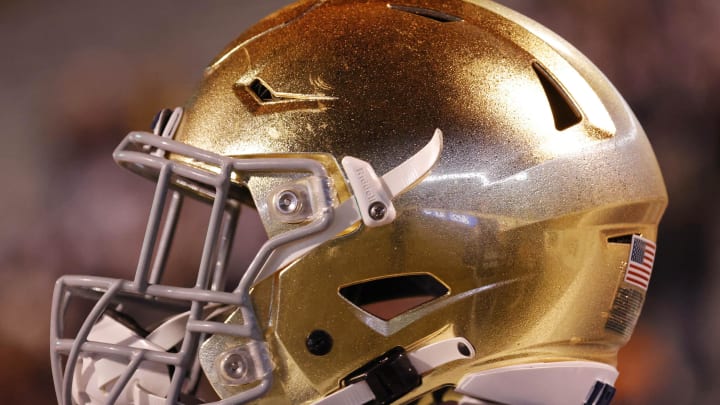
(640, 263)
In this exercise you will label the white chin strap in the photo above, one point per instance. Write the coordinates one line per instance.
(423, 360)
(557, 383)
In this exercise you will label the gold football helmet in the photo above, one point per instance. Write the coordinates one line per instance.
(459, 206)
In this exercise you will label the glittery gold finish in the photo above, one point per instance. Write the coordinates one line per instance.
(514, 219)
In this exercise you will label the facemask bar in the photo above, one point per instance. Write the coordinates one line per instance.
(210, 176)
(139, 152)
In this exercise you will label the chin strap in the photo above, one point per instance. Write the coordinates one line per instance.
(557, 383)
(397, 372)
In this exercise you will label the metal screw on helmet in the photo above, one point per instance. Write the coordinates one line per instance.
(463, 349)
(287, 202)
(377, 210)
(234, 366)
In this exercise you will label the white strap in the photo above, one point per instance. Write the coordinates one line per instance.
(435, 355)
(423, 360)
(561, 383)
(465, 400)
(358, 393)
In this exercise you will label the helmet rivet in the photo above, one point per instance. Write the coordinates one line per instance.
(377, 210)
(463, 349)
(287, 202)
(319, 342)
(234, 366)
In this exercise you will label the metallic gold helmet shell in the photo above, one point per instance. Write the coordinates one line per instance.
(513, 249)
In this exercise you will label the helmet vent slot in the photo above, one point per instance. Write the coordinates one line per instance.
(624, 239)
(260, 98)
(261, 91)
(565, 112)
(427, 13)
(389, 297)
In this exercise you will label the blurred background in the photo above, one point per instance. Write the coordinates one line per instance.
(77, 75)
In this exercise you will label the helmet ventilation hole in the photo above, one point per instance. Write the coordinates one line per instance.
(260, 98)
(389, 297)
(625, 239)
(261, 91)
(564, 111)
(427, 13)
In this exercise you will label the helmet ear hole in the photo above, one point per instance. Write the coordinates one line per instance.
(389, 297)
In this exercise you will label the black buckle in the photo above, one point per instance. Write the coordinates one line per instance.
(389, 376)
(601, 394)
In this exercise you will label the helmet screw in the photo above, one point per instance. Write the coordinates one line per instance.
(377, 210)
(319, 342)
(233, 366)
(287, 202)
(463, 349)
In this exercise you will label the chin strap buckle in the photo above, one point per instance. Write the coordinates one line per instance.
(389, 376)
(601, 394)
(397, 372)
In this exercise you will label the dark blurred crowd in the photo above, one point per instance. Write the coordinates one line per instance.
(75, 76)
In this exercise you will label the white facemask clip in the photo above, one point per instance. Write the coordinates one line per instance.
(374, 194)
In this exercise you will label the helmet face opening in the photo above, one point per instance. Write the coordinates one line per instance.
(454, 202)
